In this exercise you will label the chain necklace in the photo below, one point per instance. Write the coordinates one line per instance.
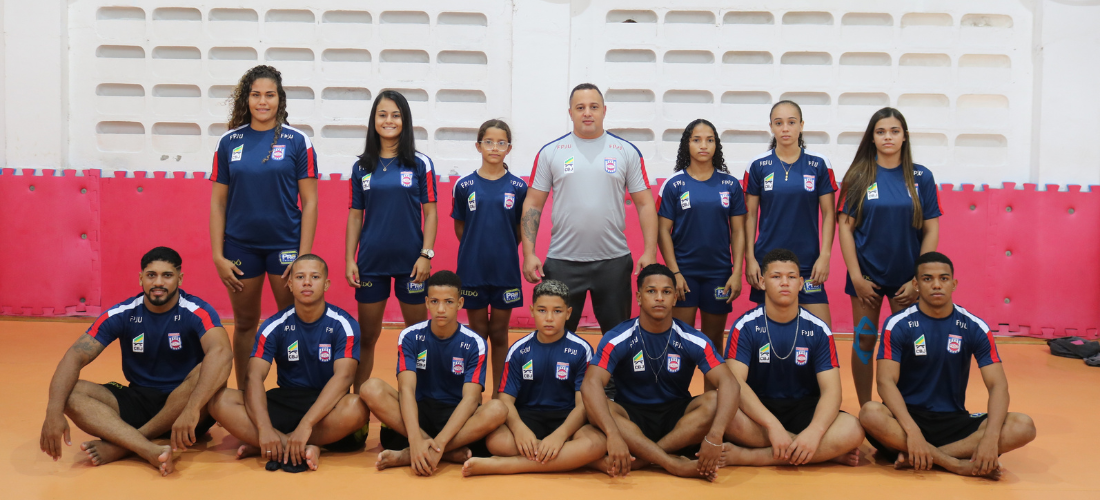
(651, 358)
(386, 166)
(786, 169)
(797, 324)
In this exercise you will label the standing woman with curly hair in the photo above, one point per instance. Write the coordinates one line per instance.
(889, 216)
(786, 189)
(391, 223)
(701, 225)
(262, 167)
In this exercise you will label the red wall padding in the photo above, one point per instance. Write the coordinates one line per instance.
(1028, 261)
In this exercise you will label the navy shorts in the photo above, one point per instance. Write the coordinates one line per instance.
(255, 262)
(138, 405)
(884, 291)
(500, 297)
(377, 288)
(708, 294)
(809, 294)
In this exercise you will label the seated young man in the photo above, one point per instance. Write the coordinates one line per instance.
(923, 369)
(653, 417)
(316, 347)
(785, 360)
(175, 354)
(436, 407)
(540, 386)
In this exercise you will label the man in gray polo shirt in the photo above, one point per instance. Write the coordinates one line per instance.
(591, 172)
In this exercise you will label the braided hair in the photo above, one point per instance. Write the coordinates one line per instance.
(683, 155)
(242, 115)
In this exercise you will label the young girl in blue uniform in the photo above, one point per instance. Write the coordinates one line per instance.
(262, 167)
(391, 223)
(790, 186)
(889, 212)
(701, 217)
(486, 211)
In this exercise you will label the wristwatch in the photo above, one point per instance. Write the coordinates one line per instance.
(427, 253)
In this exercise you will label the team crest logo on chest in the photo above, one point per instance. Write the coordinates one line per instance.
(639, 363)
(801, 355)
(422, 360)
(324, 352)
(366, 182)
(808, 182)
(292, 352)
(562, 371)
(725, 197)
(673, 363)
(471, 202)
(529, 370)
(238, 152)
(138, 344)
(685, 200)
(769, 182)
(954, 343)
(569, 165)
(278, 152)
(919, 347)
(609, 165)
(765, 355)
(457, 366)
(509, 200)
(174, 341)
(872, 191)
(407, 179)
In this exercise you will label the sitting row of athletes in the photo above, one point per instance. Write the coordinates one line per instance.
(776, 398)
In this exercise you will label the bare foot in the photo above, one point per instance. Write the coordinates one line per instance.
(474, 467)
(458, 456)
(163, 460)
(247, 450)
(850, 459)
(902, 462)
(727, 450)
(313, 456)
(685, 467)
(393, 458)
(102, 452)
(968, 468)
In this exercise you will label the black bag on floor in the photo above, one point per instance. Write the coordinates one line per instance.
(1074, 347)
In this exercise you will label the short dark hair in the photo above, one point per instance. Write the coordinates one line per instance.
(310, 256)
(778, 255)
(585, 86)
(162, 254)
(933, 257)
(655, 270)
(551, 288)
(444, 278)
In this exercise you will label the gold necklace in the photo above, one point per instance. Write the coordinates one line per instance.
(786, 169)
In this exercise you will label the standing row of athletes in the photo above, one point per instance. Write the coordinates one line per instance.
(705, 224)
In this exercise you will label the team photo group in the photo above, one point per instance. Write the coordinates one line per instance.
(772, 382)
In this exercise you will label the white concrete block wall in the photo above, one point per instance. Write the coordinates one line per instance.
(994, 91)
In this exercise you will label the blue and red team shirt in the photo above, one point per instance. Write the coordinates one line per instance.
(811, 349)
(304, 353)
(442, 366)
(392, 203)
(159, 350)
(700, 212)
(640, 380)
(545, 377)
(935, 355)
(790, 205)
(487, 252)
(262, 211)
(887, 244)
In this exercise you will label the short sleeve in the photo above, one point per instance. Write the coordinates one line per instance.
(305, 161)
(752, 180)
(636, 178)
(406, 353)
(893, 339)
(929, 196)
(429, 191)
(458, 202)
(513, 371)
(845, 208)
(608, 355)
(219, 172)
(107, 328)
(521, 194)
(265, 345)
(580, 367)
(668, 198)
(826, 182)
(355, 188)
(346, 339)
(737, 347)
(204, 318)
(541, 177)
(737, 201)
(706, 357)
(824, 352)
(983, 346)
(475, 364)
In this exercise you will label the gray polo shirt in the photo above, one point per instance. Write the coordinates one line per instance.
(590, 179)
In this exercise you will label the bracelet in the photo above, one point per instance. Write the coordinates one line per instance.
(677, 272)
(710, 443)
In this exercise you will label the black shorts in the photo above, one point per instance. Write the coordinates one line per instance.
(432, 416)
(943, 428)
(608, 281)
(656, 421)
(794, 414)
(287, 405)
(138, 405)
(543, 423)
